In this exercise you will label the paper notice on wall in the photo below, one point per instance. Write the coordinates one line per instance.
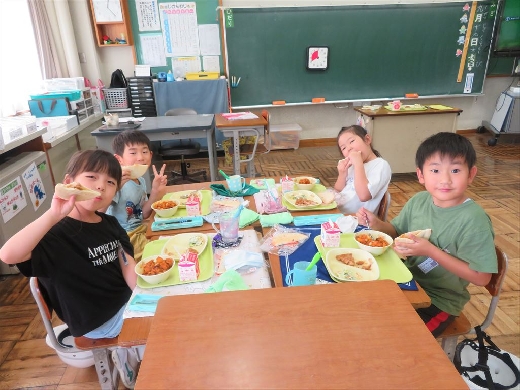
(152, 49)
(2, 143)
(179, 26)
(147, 15)
(12, 199)
(183, 65)
(34, 185)
(211, 63)
(209, 40)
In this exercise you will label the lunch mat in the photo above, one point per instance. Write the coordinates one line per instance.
(205, 207)
(390, 265)
(205, 265)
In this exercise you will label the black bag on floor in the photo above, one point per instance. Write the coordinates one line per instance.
(118, 79)
(486, 366)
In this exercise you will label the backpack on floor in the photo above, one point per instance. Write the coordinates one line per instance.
(486, 366)
(118, 79)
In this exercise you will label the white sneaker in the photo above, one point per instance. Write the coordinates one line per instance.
(126, 363)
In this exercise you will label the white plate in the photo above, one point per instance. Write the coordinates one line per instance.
(181, 197)
(179, 243)
(294, 196)
(348, 273)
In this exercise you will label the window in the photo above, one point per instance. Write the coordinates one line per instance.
(20, 73)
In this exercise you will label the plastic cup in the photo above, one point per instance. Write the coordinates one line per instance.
(301, 277)
(228, 224)
(236, 183)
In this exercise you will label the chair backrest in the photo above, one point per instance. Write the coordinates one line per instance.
(267, 130)
(46, 314)
(180, 111)
(382, 212)
(494, 287)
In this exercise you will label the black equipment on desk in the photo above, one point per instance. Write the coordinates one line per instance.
(120, 127)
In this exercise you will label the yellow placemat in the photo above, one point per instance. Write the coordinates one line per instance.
(205, 207)
(390, 265)
(408, 107)
(205, 265)
(440, 107)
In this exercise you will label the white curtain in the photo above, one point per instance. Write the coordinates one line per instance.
(20, 73)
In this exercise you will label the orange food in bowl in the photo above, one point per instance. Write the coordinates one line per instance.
(366, 239)
(157, 266)
(304, 181)
(164, 204)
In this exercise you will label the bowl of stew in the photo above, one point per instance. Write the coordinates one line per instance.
(165, 208)
(155, 269)
(373, 241)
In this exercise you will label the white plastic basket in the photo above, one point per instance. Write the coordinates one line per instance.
(115, 97)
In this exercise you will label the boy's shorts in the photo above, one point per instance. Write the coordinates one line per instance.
(435, 319)
(138, 240)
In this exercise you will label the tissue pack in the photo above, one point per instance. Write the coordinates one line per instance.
(330, 234)
(189, 266)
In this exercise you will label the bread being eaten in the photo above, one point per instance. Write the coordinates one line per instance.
(82, 193)
(425, 233)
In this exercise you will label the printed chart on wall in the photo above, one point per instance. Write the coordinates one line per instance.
(178, 36)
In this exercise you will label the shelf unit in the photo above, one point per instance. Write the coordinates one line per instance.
(113, 29)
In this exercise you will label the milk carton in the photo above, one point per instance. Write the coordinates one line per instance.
(189, 266)
(287, 184)
(193, 205)
(330, 234)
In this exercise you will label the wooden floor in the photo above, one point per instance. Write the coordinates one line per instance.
(26, 361)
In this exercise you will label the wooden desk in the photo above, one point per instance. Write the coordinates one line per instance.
(398, 134)
(319, 337)
(236, 129)
(170, 128)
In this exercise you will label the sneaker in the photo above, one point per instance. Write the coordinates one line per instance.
(126, 363)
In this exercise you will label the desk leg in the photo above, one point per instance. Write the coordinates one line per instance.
(212, 154)
(236, 154)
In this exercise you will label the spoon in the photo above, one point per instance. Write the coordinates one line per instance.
(223, 174)
(314, 260)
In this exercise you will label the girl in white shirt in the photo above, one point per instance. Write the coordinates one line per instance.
(363, 176)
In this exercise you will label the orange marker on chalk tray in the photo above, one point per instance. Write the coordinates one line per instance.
(411, 95)
(278, 102)
(318, 100)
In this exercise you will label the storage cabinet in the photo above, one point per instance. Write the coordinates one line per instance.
(111, 18)
(142, 99)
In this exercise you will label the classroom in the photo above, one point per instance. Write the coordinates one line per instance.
(243, 102)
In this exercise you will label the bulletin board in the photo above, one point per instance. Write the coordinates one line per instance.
(376, 51)
(188, 28)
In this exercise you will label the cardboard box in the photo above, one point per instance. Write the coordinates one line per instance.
(330, 235)
(56, 125)
(285, 136)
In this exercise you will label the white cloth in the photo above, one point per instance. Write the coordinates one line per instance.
(378, 173)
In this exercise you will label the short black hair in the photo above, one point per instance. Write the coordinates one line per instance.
(447, 144)
(128, 138)
(95, 160)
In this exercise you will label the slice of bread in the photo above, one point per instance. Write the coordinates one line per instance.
(287, 238)
(65, 191)
(425, 233)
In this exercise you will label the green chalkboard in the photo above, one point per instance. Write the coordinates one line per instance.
(376, 51)
(206, 14)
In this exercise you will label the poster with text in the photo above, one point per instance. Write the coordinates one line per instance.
(179, 26)
(12, 199)
(34, 185)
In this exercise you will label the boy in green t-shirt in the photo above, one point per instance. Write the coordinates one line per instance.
(461, 248)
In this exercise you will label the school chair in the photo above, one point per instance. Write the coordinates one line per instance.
(101, 348)
(248, 150)
(384, 206)
(182, 148)
(461, 325)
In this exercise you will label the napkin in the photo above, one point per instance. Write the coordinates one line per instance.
(222, 190)
(239, 258)
(228, 281)
(315, 219)
(272, 219)
(144, 302)
(247, 217)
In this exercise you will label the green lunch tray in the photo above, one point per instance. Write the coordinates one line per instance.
(205, 207)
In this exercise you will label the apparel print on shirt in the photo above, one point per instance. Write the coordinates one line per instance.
(132, 210)
(429, 264)
(103, 254)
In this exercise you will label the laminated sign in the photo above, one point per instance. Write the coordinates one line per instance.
(12, 199)
(34, 185)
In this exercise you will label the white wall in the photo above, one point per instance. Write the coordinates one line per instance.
(317, 121)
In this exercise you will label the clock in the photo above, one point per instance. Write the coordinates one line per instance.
(317, 58)
(107, 11)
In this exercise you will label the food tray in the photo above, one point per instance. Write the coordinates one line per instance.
(408, 107)
(205, 207)
(390, 265)
(205, 265)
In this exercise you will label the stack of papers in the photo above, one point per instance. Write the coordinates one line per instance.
(239, 115)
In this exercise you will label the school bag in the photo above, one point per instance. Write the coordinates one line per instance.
(486, 366)
(118, 79)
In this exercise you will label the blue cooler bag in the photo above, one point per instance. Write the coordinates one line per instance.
(50, 107)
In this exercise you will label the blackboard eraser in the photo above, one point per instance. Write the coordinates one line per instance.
(411, 95)
(278, 102)
(318, 100)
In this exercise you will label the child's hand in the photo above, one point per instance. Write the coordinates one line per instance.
(60, 208)
(355, 158)
(126, 177)
(366, 217)
(419, 246)
(160, 179)
(343, 165)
